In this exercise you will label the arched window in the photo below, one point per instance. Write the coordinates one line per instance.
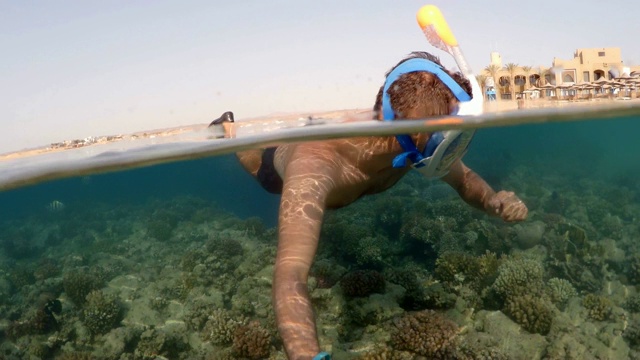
(598, 74)
(533, 79)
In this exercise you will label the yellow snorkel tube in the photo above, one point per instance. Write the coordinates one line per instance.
(438, 33)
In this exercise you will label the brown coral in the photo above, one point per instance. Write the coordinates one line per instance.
(532, 313)
(220, 327)
(251, 341)
(598, 307)
(425, 333)
(362, 283)
(386, 354)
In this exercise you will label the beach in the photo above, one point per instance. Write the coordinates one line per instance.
(499, 106)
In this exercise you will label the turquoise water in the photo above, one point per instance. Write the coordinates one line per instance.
(175, 260)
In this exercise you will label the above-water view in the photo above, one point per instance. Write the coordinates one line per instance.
(175, 261)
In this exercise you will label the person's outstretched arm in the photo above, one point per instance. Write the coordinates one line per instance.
(476, 192)
(307, 183)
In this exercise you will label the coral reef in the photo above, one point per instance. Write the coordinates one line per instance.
(386, 354)
(633, 304)
(327, 273)
(224, 247)
(156, 343)
(529, 234)
(79, 283)
(362, 283)
(40, 321)
(101, 312)
(519, 276)
(633, 272)
(161, 224)
(221, 326)
(251, 341)
(196, 280)
(560, 291)
(534, 314)
(425, 333)
(598, 307)
(369, 251)
(456, 268)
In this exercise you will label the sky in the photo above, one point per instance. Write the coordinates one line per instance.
(73, 69)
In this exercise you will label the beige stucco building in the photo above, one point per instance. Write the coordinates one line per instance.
(587, 65)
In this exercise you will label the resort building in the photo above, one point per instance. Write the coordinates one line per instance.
(586, 66)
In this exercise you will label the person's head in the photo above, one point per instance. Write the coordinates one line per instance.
(421, 94)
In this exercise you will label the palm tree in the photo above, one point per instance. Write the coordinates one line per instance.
(481, 80)
(542, 80)
(492, 70)
(543, 74)
(527, 71)
(512, 68)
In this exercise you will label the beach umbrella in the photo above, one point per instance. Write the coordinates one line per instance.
(624, 77)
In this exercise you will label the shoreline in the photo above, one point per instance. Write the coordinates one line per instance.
(498, 106)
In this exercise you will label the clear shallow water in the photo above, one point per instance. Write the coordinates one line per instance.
(175, 248)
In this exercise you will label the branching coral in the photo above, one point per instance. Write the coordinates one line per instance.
(459, 268)
(386, 354)
(161, 225)
(251, 341)
(362, 283)
(224, 247)
(633, 304)
(156, 344)
(633, 271)
(425, 333)
(597, 306)
(534, 314)
(221, 326)
(101, 313)
(79, 283)
(370, 250)
(327, 273)
(560, 291)
(519, 276)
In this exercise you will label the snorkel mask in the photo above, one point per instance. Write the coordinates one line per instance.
(443, 147)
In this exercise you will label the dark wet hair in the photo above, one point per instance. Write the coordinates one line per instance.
(421, 90)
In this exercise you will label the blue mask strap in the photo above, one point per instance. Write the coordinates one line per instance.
(411, 152)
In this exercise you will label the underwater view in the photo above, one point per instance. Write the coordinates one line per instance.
(175, 261)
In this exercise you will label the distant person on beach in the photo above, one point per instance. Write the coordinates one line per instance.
(328, 174)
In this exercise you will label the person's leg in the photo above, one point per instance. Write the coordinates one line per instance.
(257, 162)
(251, 160)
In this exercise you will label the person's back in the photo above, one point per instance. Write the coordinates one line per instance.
(357, 166)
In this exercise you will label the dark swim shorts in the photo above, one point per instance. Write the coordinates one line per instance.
(267, 174)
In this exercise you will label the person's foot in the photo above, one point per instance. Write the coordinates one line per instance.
(218, 124)
(225, 117)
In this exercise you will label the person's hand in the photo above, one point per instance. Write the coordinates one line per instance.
(507, 206)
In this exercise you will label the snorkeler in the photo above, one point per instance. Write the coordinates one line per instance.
(319, 175)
